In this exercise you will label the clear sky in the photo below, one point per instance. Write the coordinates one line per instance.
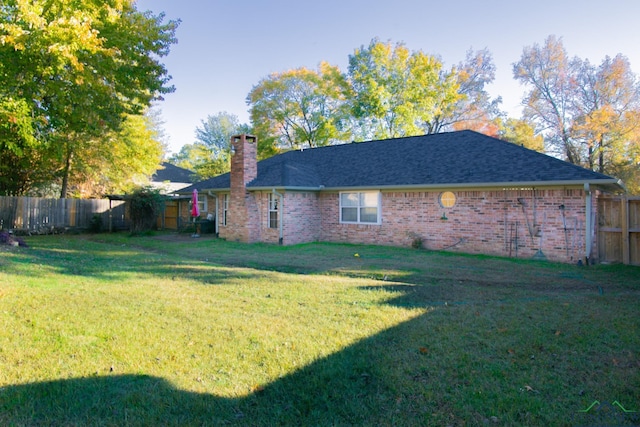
(225, 47)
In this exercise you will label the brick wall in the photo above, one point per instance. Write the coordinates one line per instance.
(243, 221)
(481, 222)
(301, 218)
(488, 222)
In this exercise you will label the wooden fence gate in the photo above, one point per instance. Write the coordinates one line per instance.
(170, 217)
(619, 229)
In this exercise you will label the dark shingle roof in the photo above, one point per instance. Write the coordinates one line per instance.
(172, 173)
(446, 159)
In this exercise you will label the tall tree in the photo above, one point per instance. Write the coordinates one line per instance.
(607, 104)
(118, 161)
(549, 103)
(475, 109)
(588, 114)
(397, 92)
(22, 155)
(80, 68)
(298, 108)
(210, 155)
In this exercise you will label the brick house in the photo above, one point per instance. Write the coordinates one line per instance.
(457, 191)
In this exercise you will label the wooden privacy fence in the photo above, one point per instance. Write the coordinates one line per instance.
(40, 215)
(619, 229)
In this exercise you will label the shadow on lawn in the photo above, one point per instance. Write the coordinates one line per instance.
(407, 375)
(209, 262)
(411, 374)
(357, 386)
(346, 388)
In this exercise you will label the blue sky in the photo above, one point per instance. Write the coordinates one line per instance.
(225, 47)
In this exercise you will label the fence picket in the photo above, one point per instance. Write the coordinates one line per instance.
(36, 214)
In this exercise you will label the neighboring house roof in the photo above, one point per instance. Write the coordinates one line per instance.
(454, 159)
(171, 178)
(172, 173)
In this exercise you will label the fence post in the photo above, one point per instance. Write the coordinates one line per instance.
(624, 208)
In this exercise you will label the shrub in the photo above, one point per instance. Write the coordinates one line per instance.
(416, 240)
(95, 224)
(145, 204)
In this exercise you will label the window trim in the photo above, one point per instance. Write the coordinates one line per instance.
(203, 206)
(446, 195)
(225, 209)
(273, 203)
(359, 207)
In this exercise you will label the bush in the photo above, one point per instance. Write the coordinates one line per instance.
(416, 240)
(95, 224)
(145, 205)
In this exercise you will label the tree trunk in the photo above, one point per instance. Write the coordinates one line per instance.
(601, 154)
(65, 174)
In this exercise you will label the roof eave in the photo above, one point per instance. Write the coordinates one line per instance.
(285, 188)
(613, 185)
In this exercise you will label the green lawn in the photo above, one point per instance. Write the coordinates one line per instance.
(169, 330)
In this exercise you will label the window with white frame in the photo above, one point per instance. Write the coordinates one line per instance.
(202, 204)
(273, 210)
(225, 209)
(360, 207)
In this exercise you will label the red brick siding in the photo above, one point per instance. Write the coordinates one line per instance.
(301, 218)
(243, 221)
(487, 222)
(481, 222)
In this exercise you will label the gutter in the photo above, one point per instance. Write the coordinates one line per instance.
(281, 211)
(614, 185)
(588, 236)
(215, 196)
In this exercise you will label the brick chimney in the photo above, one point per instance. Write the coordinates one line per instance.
(244, 164)
(244, 221)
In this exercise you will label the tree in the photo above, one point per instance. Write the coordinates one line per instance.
(401, 93)
(21, 153)
(118, 161)
(475, 110)
(145, 204)
(547, 70)
(607, 111)
(396, 92)
(588, 114)
(210, 155)
(298, 108)
(519, 132)
(80, 69)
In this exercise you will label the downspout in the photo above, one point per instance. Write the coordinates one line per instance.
(281, 222)
(215, 196)
(587, 229)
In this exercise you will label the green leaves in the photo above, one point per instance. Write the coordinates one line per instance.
(401, 93)
(298, 108)
(210, 155)
(387, 91)
(80, 68)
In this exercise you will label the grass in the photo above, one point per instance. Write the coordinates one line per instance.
(169, 330)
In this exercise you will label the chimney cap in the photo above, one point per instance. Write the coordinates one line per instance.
(246, 136)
